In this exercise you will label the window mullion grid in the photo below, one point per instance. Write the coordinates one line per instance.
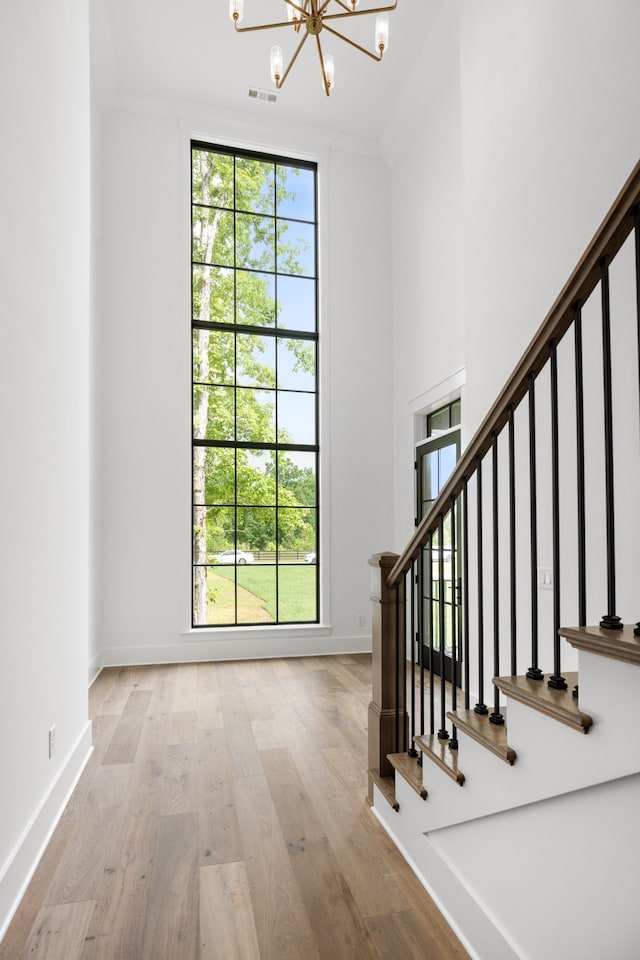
(276, 333)
(193, 498)
(235, 390)
(276, 393)
(316, 386)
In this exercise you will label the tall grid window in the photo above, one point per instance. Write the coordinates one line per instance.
(255, 397)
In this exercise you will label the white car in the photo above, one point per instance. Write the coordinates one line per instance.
(233, 556)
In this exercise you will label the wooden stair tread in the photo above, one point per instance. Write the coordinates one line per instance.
(386, 786)
(438, 751)
(559, 704)
(617, 644)
(410, 769)
(480, 729)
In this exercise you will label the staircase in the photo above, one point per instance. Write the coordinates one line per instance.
(515, 793)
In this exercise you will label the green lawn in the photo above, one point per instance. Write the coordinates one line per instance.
(295, 600)
(221, 609)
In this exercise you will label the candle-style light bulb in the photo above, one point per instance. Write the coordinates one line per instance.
(329, 72)
(236, 9)
(276, 64)
(382, 32)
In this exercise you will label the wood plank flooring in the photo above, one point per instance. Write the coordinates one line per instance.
(222, 816)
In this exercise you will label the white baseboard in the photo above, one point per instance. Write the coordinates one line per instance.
(474, 928)
(204, 648)
(17, 872)
(94, 668)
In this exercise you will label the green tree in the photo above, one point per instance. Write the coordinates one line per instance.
(234, 373)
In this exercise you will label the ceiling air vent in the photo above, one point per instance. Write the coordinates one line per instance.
(266, 95)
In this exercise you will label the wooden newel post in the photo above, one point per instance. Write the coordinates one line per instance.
(388, 719)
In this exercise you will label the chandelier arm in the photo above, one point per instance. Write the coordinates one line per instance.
(263, 26)
(325, 17)
(292, 61)
(352, 43)
(296, 6)
(313, 13)
(358, 13)
(322, 67)
(320, 12)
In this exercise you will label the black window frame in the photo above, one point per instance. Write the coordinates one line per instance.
(277, 334)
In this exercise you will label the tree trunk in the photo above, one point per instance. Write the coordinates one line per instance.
(201, 416)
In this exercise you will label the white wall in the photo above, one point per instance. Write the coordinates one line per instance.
(422, 145)
(522, 117)
(144, 412)
(44, 393)
(359, 381)
(512, 140)
(548, 93)
(559, 877)
(103, 88)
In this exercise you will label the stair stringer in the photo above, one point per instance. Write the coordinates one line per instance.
(557, 878)
(479, 933)
(605, 685)
(554, 878)
(557, 768)
(552, 759)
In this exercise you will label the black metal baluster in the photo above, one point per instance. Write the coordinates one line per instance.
(414, 637)
(496, 717)
(432, 717)
(610, 620)
(443, 733)
(534, 672)
(465, 590)
(397, 717)
(557, 681)
(421, 635)
(403, 654)
(453, 742)
(636, 217)
(480, 707)
(582, 529)
(512, 544)
(636, 224)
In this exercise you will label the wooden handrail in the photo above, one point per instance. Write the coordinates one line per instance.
(614, 230)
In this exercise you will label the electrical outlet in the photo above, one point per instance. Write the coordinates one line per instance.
(361, 620)
(545, 578)
(52, 741)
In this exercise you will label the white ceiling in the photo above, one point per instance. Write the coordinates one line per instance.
(188, 50)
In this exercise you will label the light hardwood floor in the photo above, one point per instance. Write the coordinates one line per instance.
(222, 816)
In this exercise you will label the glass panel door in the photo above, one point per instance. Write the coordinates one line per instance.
(435, 460)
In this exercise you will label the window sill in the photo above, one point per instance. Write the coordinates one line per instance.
(195, 634)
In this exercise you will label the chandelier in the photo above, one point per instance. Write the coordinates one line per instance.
(311, 17)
